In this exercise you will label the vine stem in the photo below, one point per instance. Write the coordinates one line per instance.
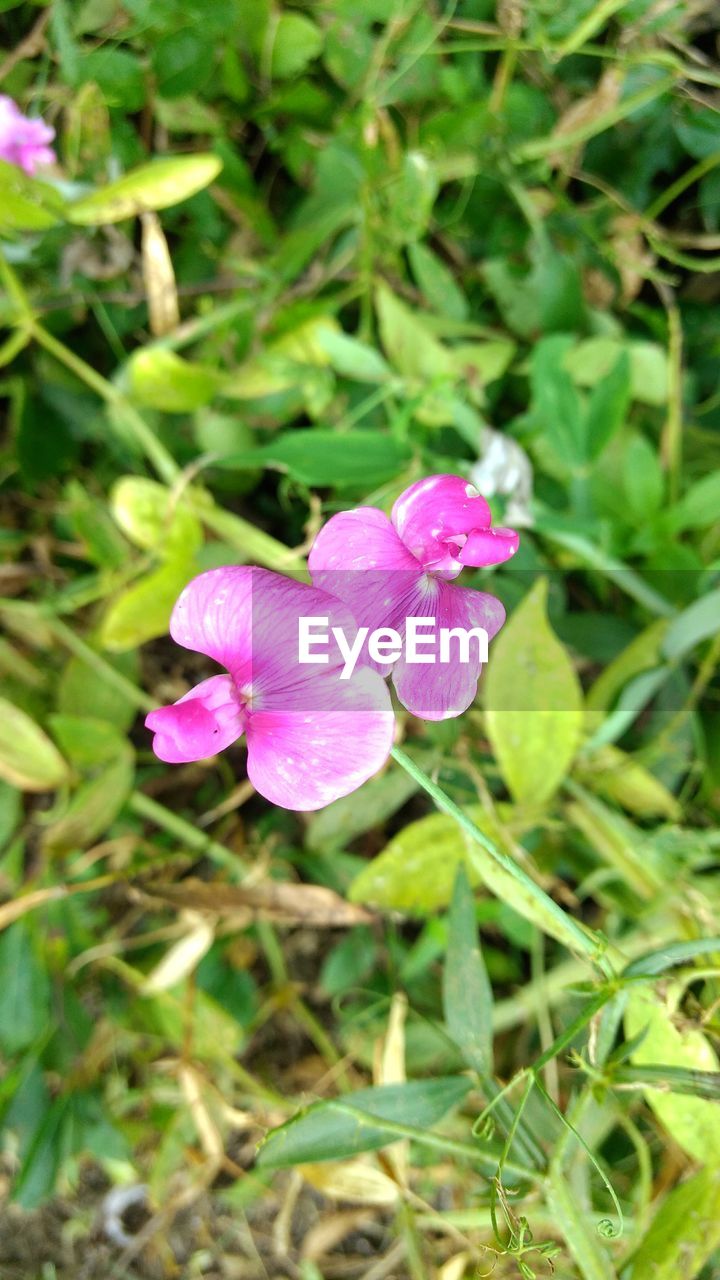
(577, 937)
(154, 450)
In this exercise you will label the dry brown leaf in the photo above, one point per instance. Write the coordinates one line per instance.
(330, 1230)
(183, 957)
(158, 277)
(272, 900)
(605, 96)
(358, 1181)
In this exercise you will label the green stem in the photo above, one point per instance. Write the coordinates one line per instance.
(190, 836)
(575, 936)
(156, 453)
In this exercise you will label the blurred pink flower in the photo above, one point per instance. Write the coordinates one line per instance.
(311, 737)
(24, 141)
(389, 570)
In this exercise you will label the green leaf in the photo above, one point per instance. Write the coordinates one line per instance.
(354, 1123)
(296, 41)
(557, 412)
(437, 282)
(28, 758)
(24, 991)
(118, 73)
(27, 204)
(593, 1262)
(533, 702)
(607, 407)
(142, 612)
(478, 363)
(592, 360)
(409, 344)
(352, 358)
(643, 481)
(698, 622)
(183, 61)
(467, 994)
(94, 806)
(693, 1122)
(699, 507)
(416, 871)
(361, 459)
(655, 962)
(162, 380)
(156, 185)
(684, 1233)
(154, 519)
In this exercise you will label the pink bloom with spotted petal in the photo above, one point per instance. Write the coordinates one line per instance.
(24, 141)
(388, 570)
(311, 737)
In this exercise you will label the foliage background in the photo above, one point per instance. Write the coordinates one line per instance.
(385, 230)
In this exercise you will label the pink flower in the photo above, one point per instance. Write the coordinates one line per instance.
(23, 141)
(311, 737)
(387, 571)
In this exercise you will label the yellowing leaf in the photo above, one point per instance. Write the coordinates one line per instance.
(142, 612)
(693, 1122)
(617, 776)
(28, 759)
(416, 870)
(154, 518)
(408, 342)
(183, 957)
(684, 1233)
(533, 702)
(162, 380)
(152, 186)
(357, 1181)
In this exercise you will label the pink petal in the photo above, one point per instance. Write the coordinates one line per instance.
(431, 514)
(440, 691)
(359, 558)
(489, 546)
(203, 722)
(305, 757)
(359, 539)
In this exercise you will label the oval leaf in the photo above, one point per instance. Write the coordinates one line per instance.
(533, 702)
(28, 759)
(153, 186)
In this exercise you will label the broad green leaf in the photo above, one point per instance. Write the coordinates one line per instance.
(408, 342)
(478, 363)
(142, 611)
(28, 759)
(162, 380)
(699, 507)
(655, 962)
(698, 622)
(607, 407)
(415, 872)
(693, 1122)
(156, 185)
(352, 358)
(467, 994)
(27, 204)
(557, 411)
(87, 741)
(643, 481)
(296, 41)
(594, 359)
(354, 1123)
(93, 807)
(533, 702)
(154, 519)
(684, 1232)
(24, 990)
(362, 459)
(83, 691)
(407, 198)
(619, 777)
(437, 282)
